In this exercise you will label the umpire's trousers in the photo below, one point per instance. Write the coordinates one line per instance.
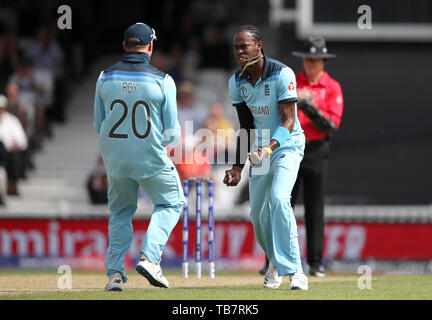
(312, 174)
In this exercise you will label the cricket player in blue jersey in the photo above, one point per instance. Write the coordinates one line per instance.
(264, 94)
(135, 115)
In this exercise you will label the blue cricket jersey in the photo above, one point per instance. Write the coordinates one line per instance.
(276, 84)
(135, 115)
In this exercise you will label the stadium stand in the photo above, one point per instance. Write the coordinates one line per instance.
(378, 172)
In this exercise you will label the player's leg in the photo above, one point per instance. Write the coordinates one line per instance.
(260, 182)
(284, 237)
(294, 194)
(166, 192)
(122, 201)
(259, 195)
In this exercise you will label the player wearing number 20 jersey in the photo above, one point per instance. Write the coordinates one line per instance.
(135, 104)
(135, 115)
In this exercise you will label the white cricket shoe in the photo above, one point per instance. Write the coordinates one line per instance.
(152, 272)
(299, 281)
(272, 279)
(115, 283)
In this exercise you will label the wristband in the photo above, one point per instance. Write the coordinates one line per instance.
(269, 150)
(281, 135)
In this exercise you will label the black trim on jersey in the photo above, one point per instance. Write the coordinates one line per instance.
(246, 122)
(293, 99)
(135, 61)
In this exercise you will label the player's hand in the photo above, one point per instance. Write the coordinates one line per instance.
(257, 156)
(232, 176)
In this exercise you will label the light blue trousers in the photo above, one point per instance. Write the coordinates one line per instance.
(271, 212)
(165, 191)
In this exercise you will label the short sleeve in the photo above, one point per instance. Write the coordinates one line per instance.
(234, 91)
(171, 127)
(99, 109)
(287, 86)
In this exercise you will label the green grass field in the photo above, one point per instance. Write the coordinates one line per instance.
(41, 285)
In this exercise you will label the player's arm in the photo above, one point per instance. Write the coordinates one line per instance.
(171, 127)
(233, 176)
(99, 108)
(287, 98)
(287, 112)
(246, 121)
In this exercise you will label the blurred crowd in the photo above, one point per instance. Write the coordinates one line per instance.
(31, 75)
(38, 63)
(187, 46)
(33, 87)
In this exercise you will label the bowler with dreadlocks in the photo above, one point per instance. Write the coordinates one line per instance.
(264, 94)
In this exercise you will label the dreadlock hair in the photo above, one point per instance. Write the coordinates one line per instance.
(254, 32)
